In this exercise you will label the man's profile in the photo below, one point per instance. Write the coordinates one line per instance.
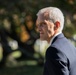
(61, 54)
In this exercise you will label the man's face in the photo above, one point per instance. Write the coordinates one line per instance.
(45, 28)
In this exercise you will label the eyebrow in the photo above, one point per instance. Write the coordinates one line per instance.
(40, 24)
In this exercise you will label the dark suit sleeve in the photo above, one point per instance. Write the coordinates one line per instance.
(56, 62)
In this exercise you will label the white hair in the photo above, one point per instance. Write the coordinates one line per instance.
(55, 14)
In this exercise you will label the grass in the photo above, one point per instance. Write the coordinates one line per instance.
(22, 68)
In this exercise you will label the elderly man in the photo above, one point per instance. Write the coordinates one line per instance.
(60, 56)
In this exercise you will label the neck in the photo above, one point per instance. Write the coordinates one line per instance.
(51, 39)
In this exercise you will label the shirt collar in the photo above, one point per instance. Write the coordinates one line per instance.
(53, 38)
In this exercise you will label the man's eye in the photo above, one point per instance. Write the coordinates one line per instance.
(43, 24)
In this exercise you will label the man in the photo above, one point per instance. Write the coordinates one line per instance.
(61, 55)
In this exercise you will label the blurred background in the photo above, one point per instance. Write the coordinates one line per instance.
(21, 51)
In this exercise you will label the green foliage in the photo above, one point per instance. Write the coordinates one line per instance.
(32, 6)
(22, 8)
(22, 70)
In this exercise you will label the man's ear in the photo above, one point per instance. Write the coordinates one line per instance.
(57, 25)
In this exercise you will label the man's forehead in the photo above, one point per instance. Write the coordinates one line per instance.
(44, 15)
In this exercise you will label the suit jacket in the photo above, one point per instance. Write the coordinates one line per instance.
(60, 57)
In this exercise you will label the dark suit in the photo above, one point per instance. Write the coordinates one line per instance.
(60, 57)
